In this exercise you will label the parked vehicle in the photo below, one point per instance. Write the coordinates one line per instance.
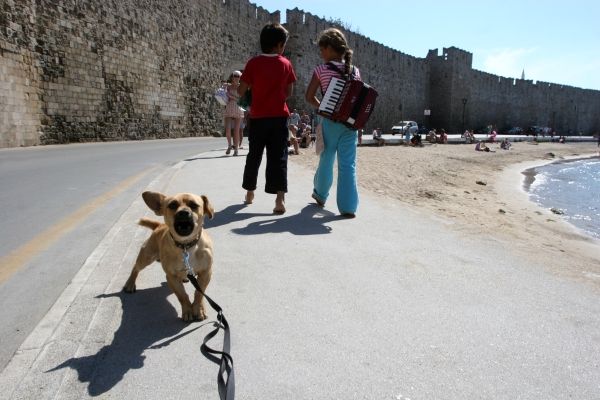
(403, 126)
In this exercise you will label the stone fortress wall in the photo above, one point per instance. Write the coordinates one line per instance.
(401, 80)
(409, 85)
(90, 70)
(491, 99)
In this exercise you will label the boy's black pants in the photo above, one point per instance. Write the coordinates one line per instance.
(271, 133)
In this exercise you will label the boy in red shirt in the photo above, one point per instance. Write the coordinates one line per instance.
(271, 78)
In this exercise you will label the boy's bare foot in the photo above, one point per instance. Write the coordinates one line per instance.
(249, 197)
(279, 203)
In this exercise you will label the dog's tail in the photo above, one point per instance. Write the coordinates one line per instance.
(149, 223)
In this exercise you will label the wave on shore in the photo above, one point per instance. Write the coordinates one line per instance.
(570, 188)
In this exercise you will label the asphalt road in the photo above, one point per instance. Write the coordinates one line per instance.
(56, 204)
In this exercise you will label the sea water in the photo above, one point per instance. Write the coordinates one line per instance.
(572, 187)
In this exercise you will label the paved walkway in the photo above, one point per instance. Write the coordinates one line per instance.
(320, 308)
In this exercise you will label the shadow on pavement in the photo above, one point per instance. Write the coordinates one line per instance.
(207, 157)
(147, 318)
(310, 220)
(231, 214)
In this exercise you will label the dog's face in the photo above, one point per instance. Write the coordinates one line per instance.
(183, 213)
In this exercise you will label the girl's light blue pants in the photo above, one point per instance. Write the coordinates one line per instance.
(341, 140)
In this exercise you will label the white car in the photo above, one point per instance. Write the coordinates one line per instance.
(403, 126)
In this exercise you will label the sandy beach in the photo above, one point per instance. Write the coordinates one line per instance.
(481, 193)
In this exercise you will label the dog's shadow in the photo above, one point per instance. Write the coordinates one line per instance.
(147, 319)
(311, 220)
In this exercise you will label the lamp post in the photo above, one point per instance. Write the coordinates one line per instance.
(464, 101)
(576, 120)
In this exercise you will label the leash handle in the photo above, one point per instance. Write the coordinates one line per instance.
(226, 386)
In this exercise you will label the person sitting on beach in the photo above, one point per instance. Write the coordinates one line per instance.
(505, 144)
(416, 140)
(469, 137)
(431, 136)
(293, 122)
(306, 139)
(300, 134)
(561, 139)
(480, 146)
(493, 136)
(443, 138)
(377, 137)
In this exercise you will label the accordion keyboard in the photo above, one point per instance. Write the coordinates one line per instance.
(332, 96)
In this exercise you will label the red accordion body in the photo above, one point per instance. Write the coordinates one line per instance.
(350, 102)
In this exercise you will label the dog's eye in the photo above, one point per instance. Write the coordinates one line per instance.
(173, 205)
(193, 205)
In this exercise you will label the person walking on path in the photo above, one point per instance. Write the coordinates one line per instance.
(271, 78)
(234, 114)
(337, 137)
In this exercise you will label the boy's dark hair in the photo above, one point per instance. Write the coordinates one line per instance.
(271, 35)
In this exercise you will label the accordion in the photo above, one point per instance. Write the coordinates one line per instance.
(350, 102)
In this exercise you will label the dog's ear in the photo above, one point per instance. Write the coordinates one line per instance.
(208, 208)
(154, 201)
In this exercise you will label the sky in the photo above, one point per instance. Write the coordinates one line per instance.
(551, 41)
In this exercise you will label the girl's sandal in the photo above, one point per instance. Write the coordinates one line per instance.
(319, 202)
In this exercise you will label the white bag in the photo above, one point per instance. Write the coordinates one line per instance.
(221, 96)
(319, 145)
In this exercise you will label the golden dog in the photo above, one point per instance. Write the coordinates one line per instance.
(182, 231)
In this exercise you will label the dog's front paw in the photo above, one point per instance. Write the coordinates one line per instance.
(187, 314)
(199, 313)
(129, 287)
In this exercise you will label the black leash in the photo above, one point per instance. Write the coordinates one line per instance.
(222, 358)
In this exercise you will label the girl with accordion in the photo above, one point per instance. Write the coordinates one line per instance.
(338, 139)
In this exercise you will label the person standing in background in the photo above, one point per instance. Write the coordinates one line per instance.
(233, 114)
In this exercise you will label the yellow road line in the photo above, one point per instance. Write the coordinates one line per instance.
(16, 259)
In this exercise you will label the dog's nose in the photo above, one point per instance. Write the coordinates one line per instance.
(183, 214)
